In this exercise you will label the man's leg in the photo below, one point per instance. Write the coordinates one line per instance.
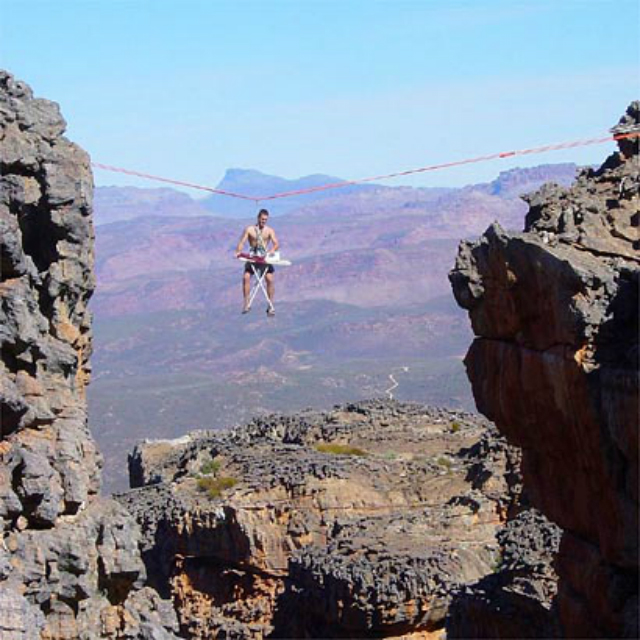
(246, 288)
(271, 289)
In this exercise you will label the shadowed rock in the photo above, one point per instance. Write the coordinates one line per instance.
(70, 566)
(555, 366)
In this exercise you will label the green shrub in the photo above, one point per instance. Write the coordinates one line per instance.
(339, 449)
(498, 562)
(210, 468)
(455, 426)
(215, 486)
(444, 462)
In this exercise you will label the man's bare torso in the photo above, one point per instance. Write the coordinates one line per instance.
(252, 233)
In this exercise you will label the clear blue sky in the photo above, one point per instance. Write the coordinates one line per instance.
(350, 88)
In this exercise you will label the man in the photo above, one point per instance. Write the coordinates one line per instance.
(259, 237)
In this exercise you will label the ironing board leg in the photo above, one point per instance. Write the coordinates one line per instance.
(259, 285)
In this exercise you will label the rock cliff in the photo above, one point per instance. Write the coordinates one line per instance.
(373, 519)
(555, 365)
(359, 522)
(70, 566)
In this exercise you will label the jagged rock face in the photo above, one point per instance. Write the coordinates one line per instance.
(69, 561)
(517, 600)
(317, 544)
(555, 366)
(47, 278)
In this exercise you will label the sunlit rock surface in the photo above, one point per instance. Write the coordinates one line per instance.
(356, 522)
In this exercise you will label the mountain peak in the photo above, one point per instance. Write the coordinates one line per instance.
(255, 183)
(236, 173)
(253, 178)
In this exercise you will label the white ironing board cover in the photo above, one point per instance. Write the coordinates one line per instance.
(275, 263)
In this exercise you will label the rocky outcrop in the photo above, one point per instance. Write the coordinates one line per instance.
(359, 522)
(517, 600)
(555, 366)
(69, 560)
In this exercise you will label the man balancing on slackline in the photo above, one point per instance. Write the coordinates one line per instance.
(259, 237)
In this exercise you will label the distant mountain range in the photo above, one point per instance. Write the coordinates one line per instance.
(113, 204)
(516, 182)
(367, 294)
(116, 204)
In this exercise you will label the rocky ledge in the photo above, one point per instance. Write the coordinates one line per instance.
(70, 566)
(555, 365)
(362, 521)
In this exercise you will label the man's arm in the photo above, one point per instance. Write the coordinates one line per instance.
(275, 245)
(243, 239)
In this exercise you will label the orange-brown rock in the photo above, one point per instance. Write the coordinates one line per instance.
(357, 522)
(555, 366)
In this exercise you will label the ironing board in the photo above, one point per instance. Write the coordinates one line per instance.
(255, 262)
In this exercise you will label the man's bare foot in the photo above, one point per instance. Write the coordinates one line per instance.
(246, 308)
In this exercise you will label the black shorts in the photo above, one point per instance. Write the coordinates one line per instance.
(260, 268)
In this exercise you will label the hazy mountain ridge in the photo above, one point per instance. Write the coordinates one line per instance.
(516, 182)
(113, 204)
(255, 183)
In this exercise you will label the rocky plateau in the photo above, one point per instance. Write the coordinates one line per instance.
(364, 521)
